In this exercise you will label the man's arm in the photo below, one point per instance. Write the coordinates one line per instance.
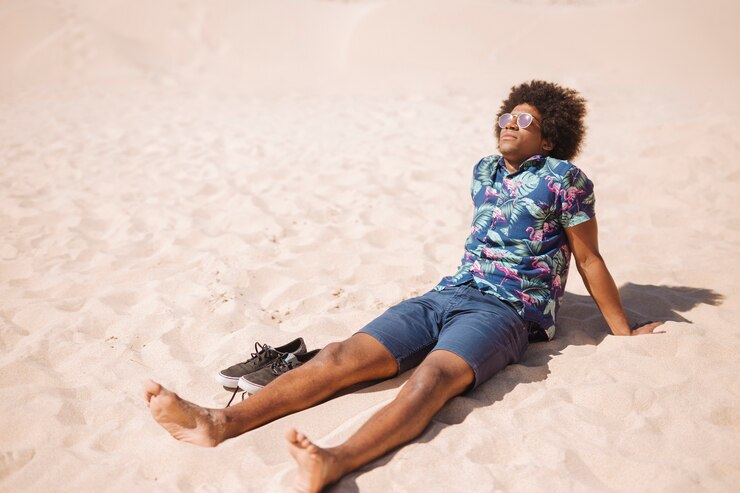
(584, 243)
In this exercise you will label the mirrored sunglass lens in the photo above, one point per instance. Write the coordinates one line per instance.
(524, 120)
(504, 119)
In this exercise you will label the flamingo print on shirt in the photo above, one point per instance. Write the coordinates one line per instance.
(517, 249)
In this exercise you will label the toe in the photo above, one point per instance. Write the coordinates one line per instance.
(152, 388)
(291, 435)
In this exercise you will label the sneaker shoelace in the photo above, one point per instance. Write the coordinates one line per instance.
(283, 364)
(262, 351)
(236, 390)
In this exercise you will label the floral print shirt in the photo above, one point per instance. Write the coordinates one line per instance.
(517, 249)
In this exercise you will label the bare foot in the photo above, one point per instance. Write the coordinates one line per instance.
(316, 467)
(184, 420)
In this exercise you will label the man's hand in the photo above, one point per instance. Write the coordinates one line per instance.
(648, 328)
(584, 243)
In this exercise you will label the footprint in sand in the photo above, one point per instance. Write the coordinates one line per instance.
(14, 460)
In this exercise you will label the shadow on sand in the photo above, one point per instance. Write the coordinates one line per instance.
(579, 323)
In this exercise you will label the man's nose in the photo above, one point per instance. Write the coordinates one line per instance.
(512, 124)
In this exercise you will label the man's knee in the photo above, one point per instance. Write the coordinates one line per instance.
(440, 380)
(343, 353)
(360, 353)
(331, 355)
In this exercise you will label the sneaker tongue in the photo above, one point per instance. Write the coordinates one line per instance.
(290, 359)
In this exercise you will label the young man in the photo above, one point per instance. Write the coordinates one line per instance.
(533, 208)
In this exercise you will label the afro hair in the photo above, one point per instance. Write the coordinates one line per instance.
(562, 110)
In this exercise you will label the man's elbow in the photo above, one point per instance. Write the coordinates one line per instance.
(588, 262)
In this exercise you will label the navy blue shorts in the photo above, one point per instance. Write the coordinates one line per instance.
(480, 328)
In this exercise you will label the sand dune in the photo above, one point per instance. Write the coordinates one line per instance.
(180, 180)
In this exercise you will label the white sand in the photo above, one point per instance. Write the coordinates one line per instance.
(180, 181)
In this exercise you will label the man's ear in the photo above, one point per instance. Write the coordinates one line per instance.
(547, 145)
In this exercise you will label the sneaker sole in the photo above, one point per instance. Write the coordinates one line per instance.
(228, 382)
(250, 387)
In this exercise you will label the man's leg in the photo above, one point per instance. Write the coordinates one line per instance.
(358, 359)
(440, 377)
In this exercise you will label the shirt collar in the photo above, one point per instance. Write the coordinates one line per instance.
(533, 161)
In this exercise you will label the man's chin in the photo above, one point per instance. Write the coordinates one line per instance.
(507, 153)
(507, 147)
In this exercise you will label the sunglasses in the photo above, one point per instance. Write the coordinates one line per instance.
(523, 120)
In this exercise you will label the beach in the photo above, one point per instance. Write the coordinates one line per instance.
(179, 181)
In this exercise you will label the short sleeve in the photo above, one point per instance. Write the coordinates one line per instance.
(475, 183)
(577, 201)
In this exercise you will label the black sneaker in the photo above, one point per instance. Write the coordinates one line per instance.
(263, 356)
(254, 381)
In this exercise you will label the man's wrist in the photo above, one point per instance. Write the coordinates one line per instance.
(621, 327)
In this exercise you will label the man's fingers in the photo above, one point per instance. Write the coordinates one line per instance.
(649, 328)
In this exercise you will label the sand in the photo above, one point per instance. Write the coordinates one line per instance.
(180, 180)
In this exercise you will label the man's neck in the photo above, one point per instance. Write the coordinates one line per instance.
(514, 167)
(511, 168)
